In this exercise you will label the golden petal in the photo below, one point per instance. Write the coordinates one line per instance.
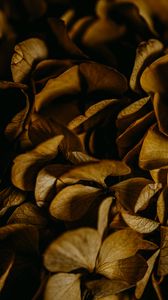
(146, 52)
(73, 250)
(162, 204)
(154, 151)
(128, 191)
(140, 224)
(163, 257)
(73, 201)
(63, 286)
(25, 55)
(154, 77)
(26, 166)
(161, 112)
(141, 285)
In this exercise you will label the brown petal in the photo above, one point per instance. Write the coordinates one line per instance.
(73, 250)
(66, 44)
(16, 125)
(130, 269)
(160, 175)
(49, 68)
(128, 191)
(146, 52)
(77, 157)
(21, 237)
(154, 151)
(43, 128)
(109, 31)
(141, 285)
(103, 215)
(133, 112)
(26, 54)
(145, 196)
(45, 187)
(105, 287)
(136, 12)
(163, 258)
(116, 246)
(161, 112)
(134, 133)
(12, 85)
(102, 78)
(96, 171)
(153, 79)
(26, 166)
(63, 286)
(10, 197)
(93, 114)
(28, 213)
(68, 83)
(4, 276)
(72, 202)
(162, 205)
(140, 224)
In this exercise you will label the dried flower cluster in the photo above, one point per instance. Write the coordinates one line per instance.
(84, 150)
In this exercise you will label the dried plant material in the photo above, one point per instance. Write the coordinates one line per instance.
(105, 287)
(159, 9)
(161, 110)
(21, 237)
(46, 182)
(63, 286)
(65, 43)
(102, 78)
(4, 276)
(138, 13)
(28, 213)
(103, 215)
(145, 196)
(145, 53)
(116, 247)
(43, 128)
(12, 85)
(49, 68)
(73, 250)
(141, 285)
(77, 157)
(128, 191)
(137, 129)
(163, 257)
(162, 204)
(26, 166)
(154, 151)
(109, 31)
(153, 78)
(96, 171)
(160, 175)
(10, 197)
(68, 83)
(79, 222)
(130, 113)
(156, 286)
(26, 54)
(140, 224)
(130, 269)
(72, 202)
(92, 115)
(131, 157)
(17, 124)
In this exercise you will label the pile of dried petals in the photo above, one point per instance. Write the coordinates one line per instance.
(84, 150)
